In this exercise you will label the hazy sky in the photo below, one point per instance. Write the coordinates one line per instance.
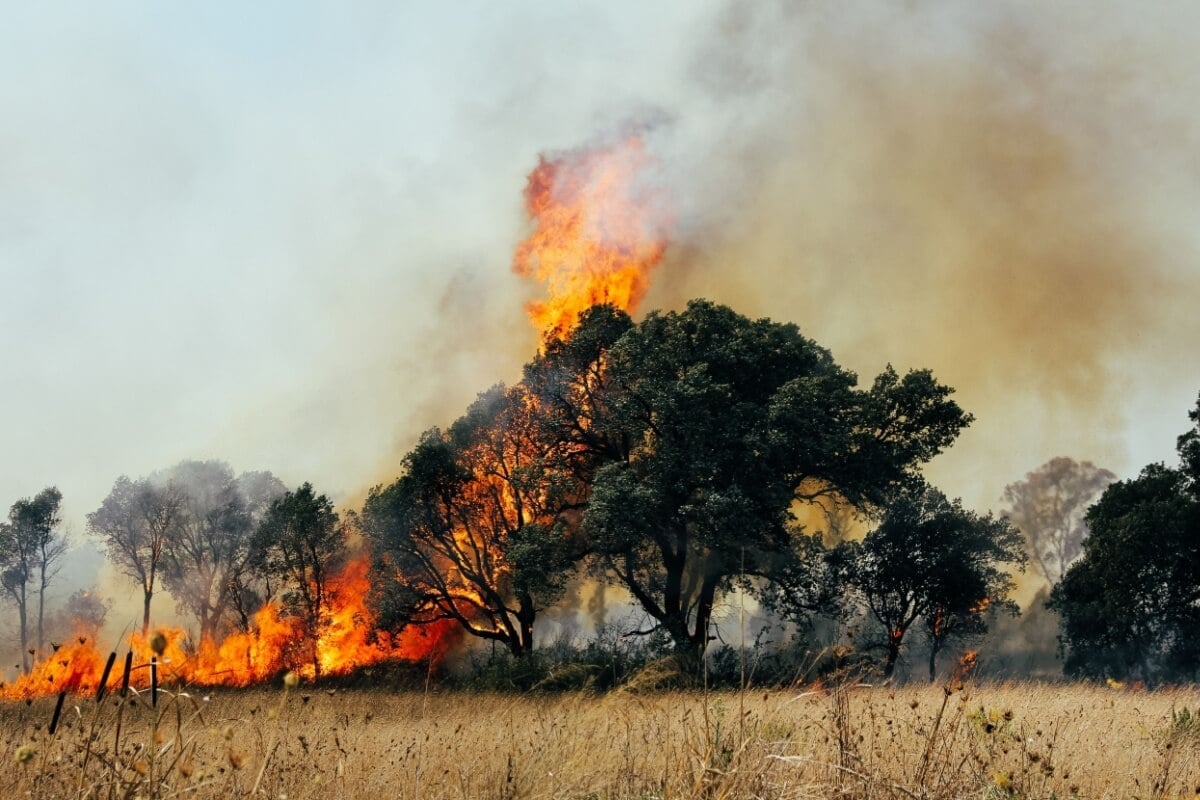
(279, 234)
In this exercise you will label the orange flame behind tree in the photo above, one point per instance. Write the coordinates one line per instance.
(600, 228)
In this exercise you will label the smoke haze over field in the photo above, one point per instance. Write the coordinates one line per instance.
(284, 239)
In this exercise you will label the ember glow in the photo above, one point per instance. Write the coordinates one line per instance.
(600, 228)
(348, 640)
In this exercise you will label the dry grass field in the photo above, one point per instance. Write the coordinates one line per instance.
(981, 741)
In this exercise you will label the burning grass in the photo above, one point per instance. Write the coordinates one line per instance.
(988, 741)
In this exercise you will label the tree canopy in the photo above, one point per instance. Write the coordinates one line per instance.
(731, 421)
(137, 520)
(1130, 605)
(299, 544)
(930, 559)
(669, 454)
(31, 546)
(205, 561)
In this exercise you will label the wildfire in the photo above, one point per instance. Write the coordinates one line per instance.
(347, 640)
(600, 227)
(966, 665)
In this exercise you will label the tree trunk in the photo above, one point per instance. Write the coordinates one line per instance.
(704, 606)
(893, 654)
(41, 610)
(21, 612)
(934, 647)
(526, 614)
(146, 595)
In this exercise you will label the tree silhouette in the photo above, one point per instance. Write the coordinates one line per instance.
(1130, 605)
(930, 559)
(724, 423)
(299, 542)
(136, 521)
(31, 546)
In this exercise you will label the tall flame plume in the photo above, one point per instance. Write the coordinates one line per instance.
(600, 226)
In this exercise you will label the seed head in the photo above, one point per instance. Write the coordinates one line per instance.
(25, 753)
(158, 642)
(290, 680)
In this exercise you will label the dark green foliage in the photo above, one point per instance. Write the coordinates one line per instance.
(1131, 605)
(934, 561)
(667, 454)
(297, 547)
(728, 422)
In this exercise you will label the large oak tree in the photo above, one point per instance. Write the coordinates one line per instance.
(713, 426)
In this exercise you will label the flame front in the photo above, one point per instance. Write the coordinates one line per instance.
(600, 228)
(347, 640)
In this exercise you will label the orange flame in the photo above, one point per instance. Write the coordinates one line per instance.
(599, 230)
(966, 665)
(348, 640)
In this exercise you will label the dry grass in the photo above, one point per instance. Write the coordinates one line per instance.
(988, 741)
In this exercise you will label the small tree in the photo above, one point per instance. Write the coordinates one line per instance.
(136, 521)
(299, 542)
(931, 559)
(31, 546)
(1049, 508)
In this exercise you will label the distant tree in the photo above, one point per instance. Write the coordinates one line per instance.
(137, 520)
(930, 559)
(205, 561)
(1130, 606)
(472, 530)
(714, 426)
(1049, 508)
(84, 614)
(31, 546)
(299, 543)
